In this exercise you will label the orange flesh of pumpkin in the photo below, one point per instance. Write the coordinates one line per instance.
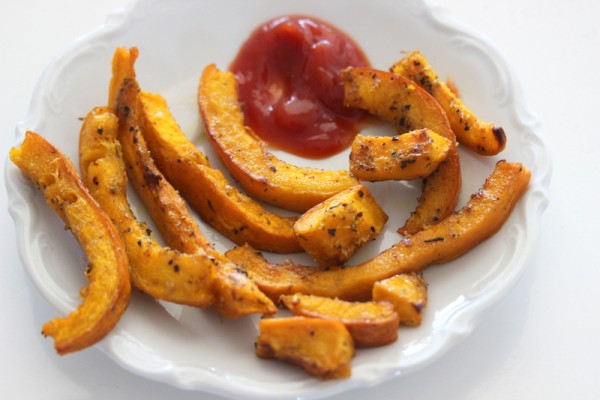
(106, 297)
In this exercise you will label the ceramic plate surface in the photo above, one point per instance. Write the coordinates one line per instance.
(195, 349)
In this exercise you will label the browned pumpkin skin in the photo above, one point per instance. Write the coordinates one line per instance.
(408, 107)
(370, 323)
(482, 137)
(262, 174)
(413, 155)
(199, 279)
(480, 218)
(107, 295)
(323, 347)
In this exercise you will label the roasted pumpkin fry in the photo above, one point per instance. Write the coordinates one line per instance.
(107, 295)
(407, 293)
(333, 230)
(322, 347)
(398, 100)
(192, 279)
(480, 218)
(370, 323)
(165, 206)
(262, 174)
(413, 155)
(228, 210)
(482, 137)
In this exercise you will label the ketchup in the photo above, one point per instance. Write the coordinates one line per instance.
(287, 72)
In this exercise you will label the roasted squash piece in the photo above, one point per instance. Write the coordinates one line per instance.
(324, 348)
(200, 279)
(263, 175)
(219, 203)
(106, 297)
(165, 206)
(407, 293)
(333, 230)
(480, 218)
(413, 155)
(408, 107)
(482, 137)
(370, 323)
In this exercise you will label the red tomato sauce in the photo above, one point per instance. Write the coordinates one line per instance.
(287, 72)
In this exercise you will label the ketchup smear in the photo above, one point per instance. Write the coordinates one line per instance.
(287, 72)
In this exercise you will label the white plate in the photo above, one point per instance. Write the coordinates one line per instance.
(194, 349)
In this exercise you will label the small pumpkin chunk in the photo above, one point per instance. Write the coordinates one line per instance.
(323, 347)
(408, 294)
(370, 323)
(106, 297)
(413, 155)
(164, 204)
(261, 173)
(332, 231)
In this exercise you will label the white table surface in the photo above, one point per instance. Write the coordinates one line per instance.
(542, 341)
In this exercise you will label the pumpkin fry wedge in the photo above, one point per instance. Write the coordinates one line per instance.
(107, 295)
(262, 174)
(228, 210)
(200, 279)
(480, 218)
(412, 155)
(408, 107)
(482, 137)
(165, 206)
